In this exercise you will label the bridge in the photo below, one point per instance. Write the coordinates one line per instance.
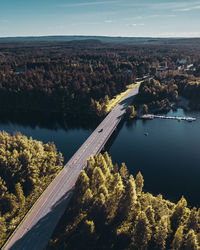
(35, 230)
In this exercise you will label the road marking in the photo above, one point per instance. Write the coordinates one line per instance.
(68, 174)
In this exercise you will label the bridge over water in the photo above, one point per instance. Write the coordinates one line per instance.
(37, 227)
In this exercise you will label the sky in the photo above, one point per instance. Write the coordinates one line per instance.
(127, 18)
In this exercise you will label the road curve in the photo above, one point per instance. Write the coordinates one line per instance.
(37, 227)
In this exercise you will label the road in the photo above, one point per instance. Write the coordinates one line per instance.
(37, 227)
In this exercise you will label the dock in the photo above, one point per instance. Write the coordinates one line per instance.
(178, 118)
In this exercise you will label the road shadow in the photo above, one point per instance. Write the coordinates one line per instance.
(39, 235)
(127, 101)
(113, 137)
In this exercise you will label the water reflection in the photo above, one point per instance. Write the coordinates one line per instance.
(67, 133)
(169, 157)
(53, 121)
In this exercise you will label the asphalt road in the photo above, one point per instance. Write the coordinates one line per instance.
(37, 227)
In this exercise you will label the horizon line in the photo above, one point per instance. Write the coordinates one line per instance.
(111, 36)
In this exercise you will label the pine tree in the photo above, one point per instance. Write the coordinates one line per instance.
(20, 194)
(193, 220)
(145, 109)
(106, 100)
(97, 179)
(101, 162)
(161, 233)
(191, 241)
(3, 229)
(90, 166)
(178, 240)
(141, 233)
(99, 201)
(103, 189)
(139, 181)
(115, 168)
(150, 213)
(115, 196)
(83, 182)
(129, 200)
(108, 160)
(87, 197)
(179, 214)
(124, 172)
(130, 112)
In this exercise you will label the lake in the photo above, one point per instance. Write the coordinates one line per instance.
(168, 157)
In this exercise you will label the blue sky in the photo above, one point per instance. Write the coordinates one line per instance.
(133, 18)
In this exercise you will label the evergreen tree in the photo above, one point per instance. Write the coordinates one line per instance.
(179, 214)
(115, 196)
(20, 194)
(178, 240)
(3, 229)
(193, 220)
(141, 232)
(145, 109)
(124, 172)
(139, 181)
(103, 189)
(103, 165)
(83, 182)
(108, 160)
(87, 197)
(97, 179)
(161, 233)
(130, 112)
(106, 100)
(129, 200)
(150, 213)
(90, 166)
(191, 241)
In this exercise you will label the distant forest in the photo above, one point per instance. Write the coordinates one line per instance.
(73, 78)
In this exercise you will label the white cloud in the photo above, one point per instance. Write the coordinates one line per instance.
(149, 17)
(189, 9)
(174, 6)
(135, 24)
(108, 21)
(85, 23)
(86, 4)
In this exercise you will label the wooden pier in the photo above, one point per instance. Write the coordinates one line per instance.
(179, 118)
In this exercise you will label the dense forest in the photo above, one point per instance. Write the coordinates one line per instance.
(76, 78)
(110, 210)
(27, 167)
(189, 87)
(156, 96)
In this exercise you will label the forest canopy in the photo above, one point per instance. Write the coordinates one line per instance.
(61, 77)
(110, 210)
(27, 167)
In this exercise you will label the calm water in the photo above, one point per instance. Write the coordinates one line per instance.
(169, 157)
(67, 141)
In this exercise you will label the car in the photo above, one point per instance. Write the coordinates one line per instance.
(100, 130)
